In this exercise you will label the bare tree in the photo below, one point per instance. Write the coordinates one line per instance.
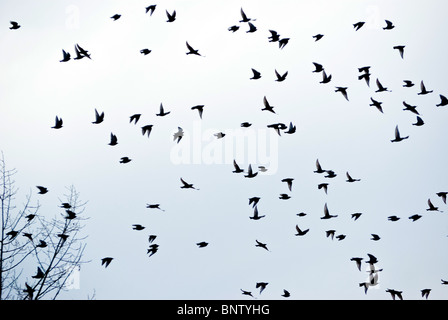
(52, 246)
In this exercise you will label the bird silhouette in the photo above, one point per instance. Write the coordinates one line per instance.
(192, 51)
(125, 160)
(317, 37)
(256, 74)
(284, 196)
(151, 238)
(151, 9)
(113, 140)
(423, 89)
(325, 78)
(42, 190)
(358, 25)
(350, 179)
(289, 182)
(186, 185)
(301, 214)
(393, 218)
(145, 51)
(343, 91)
(318, 67)
(99, 117)
(443, 101)
(134, 118)
(82, 52)
(415, 217)
(14, 25)
(381, 88)
(220, 135)
(147, 129)
(330, 174)
(200, 109)
(419, 122)
(261, 285)
(286, 293)
(12, 234)
(137, 227)
(30, 217)
(366, 77)
(267, 106)
(323, 186)
(252, 28)
(178, 135)
(65, 56)
(283, 42)
(411, 108)
(29, 291)
(244, 17)
(395, 294)
(58, 123)
(431, 207)
(246, 293)
(301, 232)
(70, 214)
(357, 260)
(400, 50)
(41, 244)
(233, 28)
(274, 37)
(162, 112)
(250, 173)
(327, 214)
(442, 195)
(291, 129)
(376, 104)
(425, 293)
(372, 259)
(408, 83)
(254, 201)
(237, 168)
(28, 235)
(256, 215)
(341, 237)
(277, 127)
(171, 17)
(356, 215)
(154, 206)
(389, 25)
(364, 69)
(398, 138)
(280, 77)
(444, 282)
(106, 261)
(319, 168)
(375, 237)
(330, 234)
(39, 275)
(202, 244)
(152, 249)
(261, 245)
(115, 17)
(78, 53)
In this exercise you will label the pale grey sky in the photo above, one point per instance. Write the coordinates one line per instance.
(396, 178)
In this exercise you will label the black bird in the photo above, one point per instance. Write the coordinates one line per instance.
(29, 291)
(358, 25)
(244, 17)
(289, 182)
(82, 52)
(366, 77)
(376, 104)
(319, 168)
(325, 78)
(200, 109)
(342, 90)
(419, 122)
(431, 207)
(14, 25)
(261, 245)
(423, 89)
(443, 101)
(323, 186)
(147, 129)
(442, 195)
(395, 294)
(252, 28)
(151, 9)
(277, 127)
(358, 262)
(70, 214)
(301, 214)
(113, 140)
(42, 190)
(400, 50)
(63, 236)
(393, 218)
(79, 55)
(408, 83)
(28, 235)
(340, 237)
(42, 244)
(317, 37)
(246, 124)
(186, 185)
(372, 259)
(425, 293)
(192, 51)
(444, 281)
(286, 293)
(254, 200)
(237, 167)
(284, 196)
(330, 174)
(318, 67)
(171, 17)
(99, 117)
(350, 179)
(330, 233)
(66, 56)
(381, 88)
(301, 232)
(291, 129)
(408, 107)
(274, 37)
(137, 227)
(39, 274)
(356, 215)
(135, 118)
(256, 74)
(283, 42)
(282, 77)
(162, 112)
(12, 234)
(415, 217)
(246, 293)
(106, 261)
(151, 238)
(220, 135)
(145, 51)
(152, 249)
(366, 286)
(58, 123)
(30, 217)
(115, 17)
(261, 285)
(365, 69)
(398, 138)
(250, 173)
(233, 28)
(202, 244)
(327, 214)
(267, 106)
(375, 237)
(125, 160)
(256, 216)
(154, 206)
(389, 25)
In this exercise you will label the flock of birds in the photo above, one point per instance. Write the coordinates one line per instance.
(365, 75)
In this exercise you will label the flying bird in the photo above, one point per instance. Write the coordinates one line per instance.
(318, 67)
(244, 17)
(29, 291)
(415, 217)
(409, 107)
(365, 69)
(178, 135)
(237, 167)
(14, 25)
(200, 109)
(145, 51)
(12, 234)
(277, 127)
(358, 25)
(425, 293)
(330, 234)
(106, 261)
(252, 28)
(283, 42)
(125, 160)
(256, 74)
(192, 51)
(323, 186)
(202, 244)
(372, 259)
(220, 135)
(317, 37)
(250, 173)
(443, 101)
(261, 285)
(423, 89)
(151, 238)
(254, 201)
(282, 77)
(356, 215)
(381, 88)
(301, 232)
(431, 207)
(330, 174)
(115, 17)
(350, 179)
(58, 123)
(42, 190)
(395, 294)
(400, 50)
(113, 140)
(375, 237)
(256, 215)
(39, 275)
(274, 37)
(408, 83)
(171, 17)
(42, 244)
(289, 182)
(284, 196)
(342, 90)
(154, 206)
(261, 245)
(325, 78)
(162, 112)
(135, 118)
(292, 129)
(357, 260)
(82, 52)
(137, 227)
(319, 168)
(66, 56)
(286, 293)
(442, 195)
(389, 25)
(233, 28)
(341, 237)
(327, 214)
(419, 122)
(267, 106)
(99, 117)
(393, 218)
(186, 185)
(147, 129)
(151, 9)
(70, 214)
(366, 77)
(246, 293)
(376, 104)
(398, 138)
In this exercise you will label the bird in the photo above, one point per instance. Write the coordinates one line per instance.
(301, 232)
(154, 206)
(411, 108)
(237, 167)
(364, 69)
(393, 218)
(317, 37)
(357, 261)
(145, 51)
(372, 259)
(366, 77)
(256, 216)
(125, 160)
(113, 140)
(252, 28)
(267, 106)
(246, 124)
(400, 50)
(63, 236)
(389, 25)
(99, 117)
(79, 55)
(151, 238)
(191, 50)
(186, 185)
(356, 215)
(152, 249)
(12, 234)
(244, 17)
(274, 37)
(330, 234)
(250, 173)
(444, 281)
(42, 244)
(220, 135)
(14, 25)
(398, 138)
(82, 52)
(318, 67)
(350, 179)
(162, 112)
(247, 293)
(233, 28)
(330, 174)
(319, 168)
(42, 190)
(289, 182)
(375, 237)
(325, 78)
(431, 207)
(327, 214)
(115, 17)
(178, 135)
(256, 74)
(106, 261)
(202, 244)
(442, 195)
(254, 201)
(415, 217)
(342, 90)
(137, 227)
(39, 275)
(358, 25)
(30, 217)
(277, 127)
(366, 286)
(381, 88)
(58, 123)
(376, 104)
(423, 89)
(443, 101)
(284, 196)
(261, 285)
(408, 83)
(323, 186)
(200, 109)
(419, 122)
(286, 293)
(301, 214)
(65, 56)
(151, 9)
(425, 293)
(171, 17)
(283, 42)
(395, 294)
(261, 245)
(147, 129)
(291, 129)
(262, 168)
(282, 77)
(70, 214)
(340, 237)
(29, 291)
(28, 235)
(135, 118)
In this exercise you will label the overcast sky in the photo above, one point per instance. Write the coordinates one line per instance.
(396, 178)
